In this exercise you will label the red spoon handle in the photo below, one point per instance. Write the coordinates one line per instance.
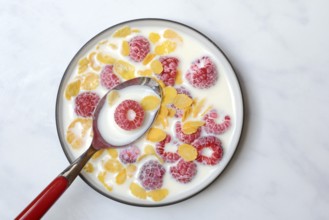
(40, 205)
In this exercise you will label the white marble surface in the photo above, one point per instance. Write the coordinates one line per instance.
(280, 51)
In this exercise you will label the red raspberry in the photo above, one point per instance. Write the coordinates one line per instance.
(129, 155)
(180, 90)
(108, 78)
(184, 171)
(129, 115)
(169, 72)
(139, 48)
(169, 157)
(151, 175)
(85, 104)
(213, 144)
(186, 138)
(202, 73)
(211, 127)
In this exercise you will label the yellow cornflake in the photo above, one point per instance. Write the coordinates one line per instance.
(146, 72)
(72, 89)
(178, 79)
(112, 97)
(113, 46)
(154, 37)
(158, 195)
(112, 152)
(150, 102)
(156, 135)
(138, 191)
(90, 82)
(101, 43)
(205, 111)
(148, 58)
(187, 152)
(135, 31)
(89, 168)
(125, 49)
(172, 112)
(124, 69)
(131, 169)
(186, 113)
(97, 154)
(113, 166)
(156, 67)
(197, 108)
(92, 61)
(182, 101)
(101, 177)
(149, 149)
(169, 94)
(121, 177)
(83, 65)
(77, 140)
(165, 48)
(122, 32)
(105, 58)
(191, 127)
(170, 34)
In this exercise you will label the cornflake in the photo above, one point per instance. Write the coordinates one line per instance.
(121, 177)
(101, 177)
(90, 82)
(154, 37)
(146, 72)
(172, 35)
(169, 94)
(138, 191)
(182, 101)
(83, 65)
(97, 154)
(156, 135)
(125, 50)
(165, 48)
(187, 152)
(197, 108)
(72, 138)
(105, 59)
(148, 58)
(124, 69)
(113, 166)
(191, 127)
(150, 102)
(89, 168)
(72, 89)
(158, 195)
(156, 67)
(112, 152)
(178, 79)
(131, 169)
(122, 32)
(112, 97)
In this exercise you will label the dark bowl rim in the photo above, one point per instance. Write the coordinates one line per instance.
(62, 141)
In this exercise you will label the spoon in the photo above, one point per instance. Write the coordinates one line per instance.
(40, 205)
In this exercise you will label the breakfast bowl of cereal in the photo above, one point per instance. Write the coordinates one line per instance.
(195, 132)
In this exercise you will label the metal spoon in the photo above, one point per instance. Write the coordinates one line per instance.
(40, 205)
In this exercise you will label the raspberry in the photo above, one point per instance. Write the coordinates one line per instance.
(85, 104)
(151, 175)
(139, 48)
(129, 115)
(168, 75)
(184, 171)
(129, 155)
(186, 138)
(212, 143)
(169, 157)
(108, 78)
(202, 73)
(211, 127)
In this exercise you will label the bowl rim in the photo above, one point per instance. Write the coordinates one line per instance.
(62, 142)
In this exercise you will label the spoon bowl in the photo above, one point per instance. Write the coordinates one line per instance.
(40, 205)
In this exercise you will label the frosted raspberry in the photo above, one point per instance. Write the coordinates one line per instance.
(129, 115)
(184, 171)
(211, 143)
(169, 157)
(169, 72)
(211, 127)
(151, 175)
(85, 104)
(202, 73)
(129, 155)
(186, 138)
(108, 78)
(139, 48)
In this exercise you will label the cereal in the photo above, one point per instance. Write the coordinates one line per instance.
(191, 127)
(165, 48)
(101, 177)
(72, 89)
(146, 72)
(83, 65)
(112, 152)
(170, 34)
(182, 101)
(121, 177)
(97, 154)
(124, 69)
(113, 166)
(148, 58)
(112, 97)
(156, 135)
(154, 37)
(169, 94)
(138, 191)
(125, 48)
(89, 168)
(187, 152)
(131, 169)
(150, 103)
(90, 82)
(105, 58)
(77, 140)
(158, 195)
(156, 67)
(122, 32)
